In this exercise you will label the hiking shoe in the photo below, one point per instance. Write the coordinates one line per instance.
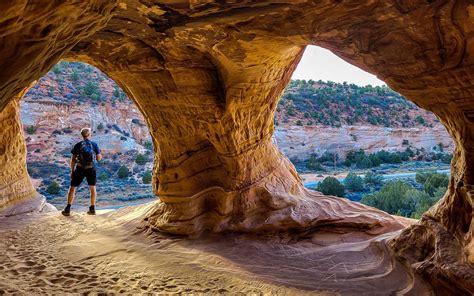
(91, 210)
(66, 212)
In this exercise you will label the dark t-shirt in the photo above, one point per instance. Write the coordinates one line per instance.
(76, 149)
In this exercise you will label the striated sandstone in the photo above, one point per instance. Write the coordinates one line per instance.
(301, 142)
(207, 77)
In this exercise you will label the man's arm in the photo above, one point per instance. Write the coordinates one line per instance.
(98, 155)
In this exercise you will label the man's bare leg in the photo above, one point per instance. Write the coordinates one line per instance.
(93, 195)
(70, 195)
(70, 199)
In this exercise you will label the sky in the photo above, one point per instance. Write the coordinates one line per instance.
(319, 63)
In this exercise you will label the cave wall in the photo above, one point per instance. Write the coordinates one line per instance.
(207, 77)
(15, 183)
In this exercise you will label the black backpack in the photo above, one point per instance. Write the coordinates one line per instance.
(86, 155)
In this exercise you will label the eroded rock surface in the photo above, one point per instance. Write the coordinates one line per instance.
(207, 77)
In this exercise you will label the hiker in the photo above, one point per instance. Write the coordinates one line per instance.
(84, 155)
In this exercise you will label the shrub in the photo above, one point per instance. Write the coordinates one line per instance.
(57, 69)
(391, 198)
(353, 182)
(31, 129)
(103, 176)
(146, 177)
(100, 126)
(372, 179)
(313, 164)
(331, 186)
(141, 159)
(431, 181)
(123, 172)
(74, 75)
(420, 119)
(53, 188)
(148, 145)
(299, 123)
(400, 198)
(290, 111)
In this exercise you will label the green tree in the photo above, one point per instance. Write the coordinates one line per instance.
(146, 177)
(313, 164)
(331, 186)
(90, 88)
(123, 172)
(141, 159)
(57, 69)
(53, 188)
(353, 183)
(75, 75)
(148, 145)
(390, 198)
(373, 179)
(103, 176)
(31, 129)
(420, 119)
(431, 181)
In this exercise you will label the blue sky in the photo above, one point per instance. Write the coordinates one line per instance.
(319, 63)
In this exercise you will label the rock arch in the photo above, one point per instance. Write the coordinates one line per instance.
(207, 77)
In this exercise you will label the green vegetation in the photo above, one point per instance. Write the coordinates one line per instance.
(31, 129)
(354, 183)
(373, 179)
(119, 94)
(313, 164)
(103, 176)
(100, 126)
(58, 68)
(335, 104)
(123, 172)
(141, 159)
(146, 177)
(91, 88)
(75, 75)
(148, 145)
(432, 181)
(401, 198)
(53, 188)
(331, 186)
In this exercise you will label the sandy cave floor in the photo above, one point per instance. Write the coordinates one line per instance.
(51, 254)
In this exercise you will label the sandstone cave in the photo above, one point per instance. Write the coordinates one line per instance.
(207, 76)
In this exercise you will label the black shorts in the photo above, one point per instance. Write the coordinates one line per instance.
(79, 175)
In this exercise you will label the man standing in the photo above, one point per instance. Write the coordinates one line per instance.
(84, 156)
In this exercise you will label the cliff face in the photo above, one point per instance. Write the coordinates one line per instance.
(57, 107)
(207, 77)
(299, 142)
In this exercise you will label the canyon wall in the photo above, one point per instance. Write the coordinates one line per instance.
(300, 142)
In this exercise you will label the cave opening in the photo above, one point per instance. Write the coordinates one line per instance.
(349, 135)
(76, 95)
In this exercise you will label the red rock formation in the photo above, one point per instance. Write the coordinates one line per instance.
(207, 77)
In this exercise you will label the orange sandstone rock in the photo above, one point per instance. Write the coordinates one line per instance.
(207, 77)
